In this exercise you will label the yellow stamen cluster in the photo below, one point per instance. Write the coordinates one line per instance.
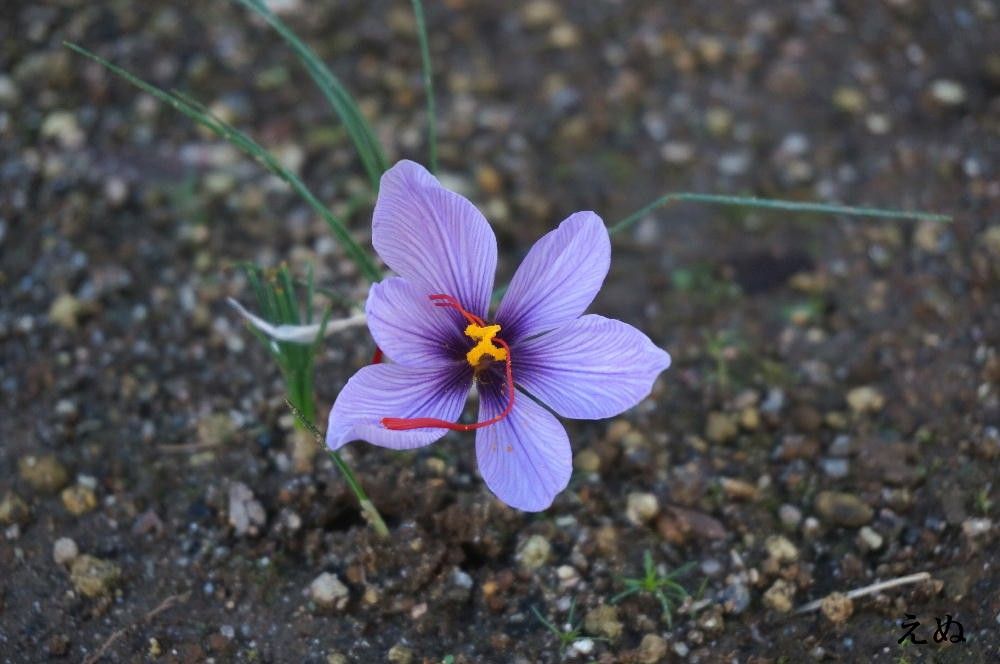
(484, 335)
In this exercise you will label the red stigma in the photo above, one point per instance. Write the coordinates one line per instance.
(441, 300)
(409, 423)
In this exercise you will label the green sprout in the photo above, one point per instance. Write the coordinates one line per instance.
(570, 632)
(663, 586)
(982, 501)
(723, 347)
(276, 299)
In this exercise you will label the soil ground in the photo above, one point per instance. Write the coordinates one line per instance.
(830, 419)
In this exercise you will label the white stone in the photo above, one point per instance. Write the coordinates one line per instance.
(327, 591)
(583, 646)
(64, 551)
(641, 507)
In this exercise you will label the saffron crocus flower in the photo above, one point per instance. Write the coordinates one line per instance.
(539, 352)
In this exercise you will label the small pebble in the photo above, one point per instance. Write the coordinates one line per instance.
(13, 510)
(564, 35)
(400, 654)
(327, 591)
(540, 13)
(78, 499)
(64, 551)
(711, 619)
(44, 473)
(641, 507)
(774, 401)
(9, 94)
(790, 516)
(837, 607)
(781, 549)
(58, 645)
(870, 539)
(835, 468)
(750, 418)
(721, 427)
(216, 429)
(583, 646)
(948, 92)
(567, 575)
(843, 509)
(603, 621)
(489, 180)
(973, 528)
(587, 461)
(461, 579)
(735, 598)
(841, 446)
(63, 127)
(710, 567)
(652, 649)
(116, 190)
(865, 399)
(734, 163)
(65, 311)
(849, 100)
(718, 120)
(878, 123)
(93, 577)
(246, 515)
(810, 528)
(779, 596)
(711, 49)
(67, 410)
(677, 153)
(534, 553)
(738, 489)
(990, 239)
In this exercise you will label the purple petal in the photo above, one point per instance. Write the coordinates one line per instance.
(593, 368)
(558, 279)
(392, 390)
(525, 459)
(433, 237)
(409, 328)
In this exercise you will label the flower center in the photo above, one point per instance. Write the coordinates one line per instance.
(485, 335)
(487, 344)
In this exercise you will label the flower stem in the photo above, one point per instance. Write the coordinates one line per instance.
(368, 509)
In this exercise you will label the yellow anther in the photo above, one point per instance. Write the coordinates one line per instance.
(484, 335)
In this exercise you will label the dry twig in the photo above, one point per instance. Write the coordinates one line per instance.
(869, 590)
(119, 633)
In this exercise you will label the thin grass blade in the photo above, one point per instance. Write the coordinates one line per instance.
(252, 148)
(365, 142)
(774, 204)
(425, 58)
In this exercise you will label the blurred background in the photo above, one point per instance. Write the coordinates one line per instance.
(830, 419)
